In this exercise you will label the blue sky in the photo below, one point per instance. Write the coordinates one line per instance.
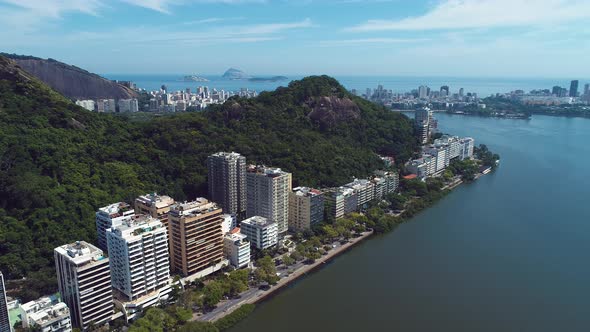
(500, 38)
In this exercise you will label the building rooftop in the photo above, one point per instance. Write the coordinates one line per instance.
(153, 199)
(358, 184)
(227, 155)
(81, 253)
(306, 191)
(235, 237)
(139, 224)
(257, 221)
(49, 313)
(194, 208)
(268, 171)
(116, 209)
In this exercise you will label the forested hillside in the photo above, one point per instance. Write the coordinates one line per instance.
(59, 163)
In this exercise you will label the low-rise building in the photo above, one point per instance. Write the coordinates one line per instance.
(46, 314)
(306, 208)
(237, 249)
(261, 232)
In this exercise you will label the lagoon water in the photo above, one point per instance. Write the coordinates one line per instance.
(506, 253)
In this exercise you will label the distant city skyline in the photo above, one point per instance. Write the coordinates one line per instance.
(463, 38)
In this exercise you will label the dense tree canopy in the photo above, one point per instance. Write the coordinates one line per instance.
(59, 163)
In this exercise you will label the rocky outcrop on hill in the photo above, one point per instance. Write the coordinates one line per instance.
(71, 81)
(331, 110)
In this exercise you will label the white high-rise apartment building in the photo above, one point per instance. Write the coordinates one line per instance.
(268, 195)
(111, 216)
(467, 144)
(227, 181)
(422, 92)
(423, 120)
(440, 155)
(84, 281)
(261, 232)
(128, 105)
(87, 104)
(140, 269)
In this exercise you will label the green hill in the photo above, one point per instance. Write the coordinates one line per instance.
(59, 163)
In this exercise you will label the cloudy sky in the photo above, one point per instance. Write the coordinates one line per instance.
(484, 38)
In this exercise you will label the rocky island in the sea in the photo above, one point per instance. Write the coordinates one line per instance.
(235, 74)
(194, 78)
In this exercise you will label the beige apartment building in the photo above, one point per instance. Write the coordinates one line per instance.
(196, 238)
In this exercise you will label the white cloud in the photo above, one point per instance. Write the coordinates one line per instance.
(465, 14)
(56, 8)
(365, 41)
(271, 27)
(213, 20)
(163, 6)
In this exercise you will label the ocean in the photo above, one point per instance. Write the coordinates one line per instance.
(399, 84)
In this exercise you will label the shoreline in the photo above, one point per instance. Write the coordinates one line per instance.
(261, 295)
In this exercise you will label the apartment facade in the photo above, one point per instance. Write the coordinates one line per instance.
(227, 181)
(111, 216)
(46, 314)
(440, 156)
(154, 205)
(84, 281)
(196, 238)
(237, 249)
(306, 208)
(261, 232)
(467, 145)
(334, 203)
(364, 189)
(4, 318)
(139, 264)
(268, 195)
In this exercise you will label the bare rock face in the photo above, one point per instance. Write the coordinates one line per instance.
(72, 81)
(330, 111)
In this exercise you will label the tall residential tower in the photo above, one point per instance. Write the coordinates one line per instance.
(227, 182)
(84, 281)
(268, 195)
(140, 269)
(196, 238)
